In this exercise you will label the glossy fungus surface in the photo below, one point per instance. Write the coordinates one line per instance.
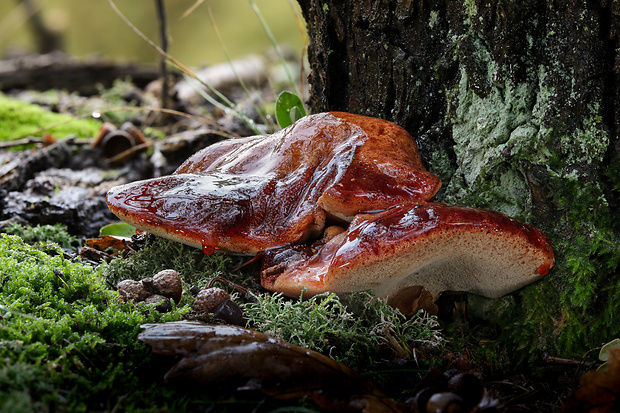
(251, 194)
(440, 247)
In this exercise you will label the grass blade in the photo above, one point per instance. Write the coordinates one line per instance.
(272, 39)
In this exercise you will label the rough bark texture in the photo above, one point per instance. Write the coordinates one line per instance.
(516, 106)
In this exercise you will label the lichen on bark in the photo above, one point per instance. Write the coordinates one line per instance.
(532, 140)
(516, 110)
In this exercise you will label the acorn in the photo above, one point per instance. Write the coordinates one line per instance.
(167, 283)
(114, 142)
(209, 299)
(216, 301)
(230, 312)
(132, 290)
(163, 303)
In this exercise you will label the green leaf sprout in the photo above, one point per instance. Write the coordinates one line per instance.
(289, 109)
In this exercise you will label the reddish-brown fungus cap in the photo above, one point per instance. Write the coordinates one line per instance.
(440, 247)
(386, 171)
(247, 195)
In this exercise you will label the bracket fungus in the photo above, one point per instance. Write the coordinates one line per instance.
(250, 194)
(440, 247)
(276, 194)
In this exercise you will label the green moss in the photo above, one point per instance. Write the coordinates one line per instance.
(65, 340)
(350, 329)
(114, 99)
(68, 343)
(18, 118)
(30, 388)
(575, 307)
(192, 264)
(43, 233)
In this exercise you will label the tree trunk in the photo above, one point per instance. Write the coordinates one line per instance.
(515, 105)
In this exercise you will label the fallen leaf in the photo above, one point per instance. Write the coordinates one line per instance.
(109, 241)
(412, 299)
(255, 361)
(599, 391)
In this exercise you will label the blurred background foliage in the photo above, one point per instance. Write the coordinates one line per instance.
(88, 28)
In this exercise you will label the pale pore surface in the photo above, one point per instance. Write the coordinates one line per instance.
(440, 247)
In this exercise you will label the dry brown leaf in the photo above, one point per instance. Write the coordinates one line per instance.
(108, 241)
(412, 299)
(599, 391)
(255, 361)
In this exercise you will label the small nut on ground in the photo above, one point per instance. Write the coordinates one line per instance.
(167, 283)
(209, 299)
(230, 312)
(132, 290)
(163, 303)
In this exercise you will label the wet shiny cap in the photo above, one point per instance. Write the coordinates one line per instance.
(250, 194)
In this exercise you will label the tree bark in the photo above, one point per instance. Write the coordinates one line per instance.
(515, 105)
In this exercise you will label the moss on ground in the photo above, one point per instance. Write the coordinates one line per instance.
(43, 233)
(350, 329)
(19, 119)
(65, 339)
(68, 343)
(192, 264)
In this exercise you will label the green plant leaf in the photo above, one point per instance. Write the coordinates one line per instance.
(289, 109)
(121, 229)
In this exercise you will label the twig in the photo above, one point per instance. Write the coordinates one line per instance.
(191, 9)
(223, 280)
(566, 362)
(133, 149)
(27, 141)
(163, 36)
